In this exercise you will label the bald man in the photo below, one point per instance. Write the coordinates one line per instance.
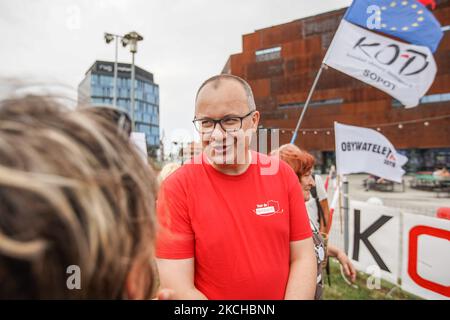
(228, 229)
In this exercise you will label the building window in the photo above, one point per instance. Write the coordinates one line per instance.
(316, 103)
(431, 98)
(396, 103)
(268, 54)
(97, 101)
(326, 39)
(106, 80)
(311, 26)
(95, 79)
(435, 98)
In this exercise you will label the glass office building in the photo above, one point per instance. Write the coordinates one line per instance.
(97, 89)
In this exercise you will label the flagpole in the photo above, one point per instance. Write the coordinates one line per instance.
(346, 212)
(311, 91)
(339, 201)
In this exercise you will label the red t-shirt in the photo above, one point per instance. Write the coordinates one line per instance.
(238, 228)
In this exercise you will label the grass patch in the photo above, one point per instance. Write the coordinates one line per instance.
(340, 290)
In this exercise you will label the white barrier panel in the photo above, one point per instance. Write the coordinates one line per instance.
(374, 240)
(426, 256)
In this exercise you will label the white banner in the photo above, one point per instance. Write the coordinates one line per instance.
(374, 240)
(139, 140)
(366, 150)
(402, 70)
(426, 256)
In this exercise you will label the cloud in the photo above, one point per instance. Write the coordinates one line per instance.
(185, 41)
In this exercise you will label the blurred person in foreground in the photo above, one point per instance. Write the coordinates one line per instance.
(74, 195)
(302, 163)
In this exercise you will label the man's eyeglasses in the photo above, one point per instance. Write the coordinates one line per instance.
(228, 124)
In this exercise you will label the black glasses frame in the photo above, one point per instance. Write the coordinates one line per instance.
(219, 121)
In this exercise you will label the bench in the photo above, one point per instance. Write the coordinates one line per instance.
(385, 186)
(424, 181)
(443, 186)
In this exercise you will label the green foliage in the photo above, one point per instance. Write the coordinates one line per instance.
(340, 290)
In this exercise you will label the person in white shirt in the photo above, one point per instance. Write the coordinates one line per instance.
(302, 163)
(320, 218)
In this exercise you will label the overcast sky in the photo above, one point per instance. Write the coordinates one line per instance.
(185, 41)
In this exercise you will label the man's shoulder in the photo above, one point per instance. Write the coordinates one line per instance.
(192, 168)
(197, 159)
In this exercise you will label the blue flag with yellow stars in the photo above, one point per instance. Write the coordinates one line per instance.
(408, 20)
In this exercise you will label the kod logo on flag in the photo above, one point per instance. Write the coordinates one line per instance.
(408, 20)
(402, 70)
(366, 150)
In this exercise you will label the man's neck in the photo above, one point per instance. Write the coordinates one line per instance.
(233, 169)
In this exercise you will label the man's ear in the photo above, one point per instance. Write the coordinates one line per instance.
(255, 120)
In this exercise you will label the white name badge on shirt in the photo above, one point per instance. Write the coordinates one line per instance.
(265, 210)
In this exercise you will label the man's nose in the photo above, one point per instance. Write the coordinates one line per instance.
(218, 133)
(313, 183)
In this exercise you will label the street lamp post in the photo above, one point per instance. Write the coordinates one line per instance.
(132, 39)
(108, 38)
(133, 76)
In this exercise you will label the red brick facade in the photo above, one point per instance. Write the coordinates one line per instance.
(286, 76)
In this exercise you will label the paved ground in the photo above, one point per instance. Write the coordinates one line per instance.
(416, 201)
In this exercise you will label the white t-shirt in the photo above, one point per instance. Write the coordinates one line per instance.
(311, 205)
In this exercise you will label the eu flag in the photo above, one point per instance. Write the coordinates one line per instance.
(408, 20)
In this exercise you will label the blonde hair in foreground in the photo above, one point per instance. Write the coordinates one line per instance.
(72, 192)
(167, 170)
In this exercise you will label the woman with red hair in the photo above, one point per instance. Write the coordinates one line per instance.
(303, 163)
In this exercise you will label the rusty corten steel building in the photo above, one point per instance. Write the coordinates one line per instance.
(280, 63)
